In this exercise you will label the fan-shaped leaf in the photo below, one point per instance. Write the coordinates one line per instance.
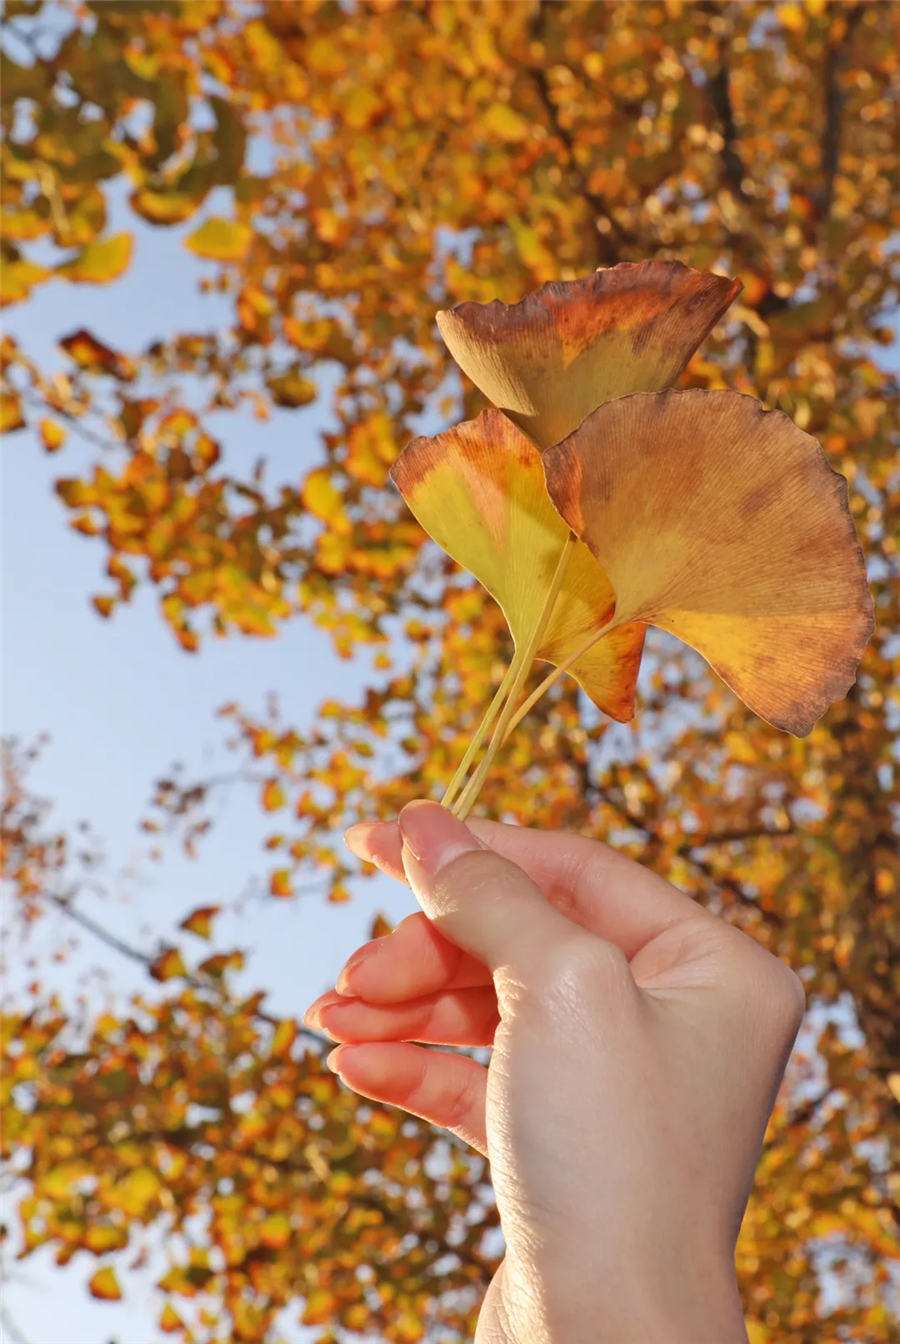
(571, 345)
(724, 523)
(479, 491)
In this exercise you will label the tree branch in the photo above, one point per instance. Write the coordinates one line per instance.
(835, 61)
(718, 91)
(607, 244)
(145, 959)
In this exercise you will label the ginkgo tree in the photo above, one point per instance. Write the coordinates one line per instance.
(342, 173)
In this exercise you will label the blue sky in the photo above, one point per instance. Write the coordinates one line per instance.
(121, 702)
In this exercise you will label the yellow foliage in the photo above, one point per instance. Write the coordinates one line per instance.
(99, 263)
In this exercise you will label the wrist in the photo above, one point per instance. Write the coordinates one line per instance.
(668, 1307)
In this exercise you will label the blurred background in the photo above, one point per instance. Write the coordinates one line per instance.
(226, 229)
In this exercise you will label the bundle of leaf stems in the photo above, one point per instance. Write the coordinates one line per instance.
(504, 701)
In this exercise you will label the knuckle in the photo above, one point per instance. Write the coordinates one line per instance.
(476, 873)
(576, 967)
(789, 996)
(458, 1102)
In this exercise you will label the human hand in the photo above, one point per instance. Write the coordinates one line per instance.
(638, 1045)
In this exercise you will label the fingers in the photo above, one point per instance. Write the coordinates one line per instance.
(412, 961)
(603, 891)
(482, 902)
(461, 1017)
(446, 1090)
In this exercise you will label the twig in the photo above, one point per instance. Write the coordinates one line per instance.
(145, 959)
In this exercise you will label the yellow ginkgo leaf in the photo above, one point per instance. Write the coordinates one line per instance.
(105, 1285)
(723, 523)
(11, 417)
(100, 262)
(220, 239)
(479, 491)
(551, 359)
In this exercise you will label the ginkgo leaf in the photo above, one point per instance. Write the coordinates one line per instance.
(199, 921)
(90, 353)
(380, 927)
(290, 389)
(11, 417)
(53, 436)
(723, 523)
(479, 491)
(100, 262)
(220, 239)
(105, 1285)
(168, 965)
(170, 1321)
(551, 359)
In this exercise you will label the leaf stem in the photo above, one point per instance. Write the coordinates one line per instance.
(472, 789)
(554, 676)
(490, 715)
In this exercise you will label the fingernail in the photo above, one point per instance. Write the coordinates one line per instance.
(311, 1016)
(359, 956)
(433, 835)
(357, 837)
(334, 1059)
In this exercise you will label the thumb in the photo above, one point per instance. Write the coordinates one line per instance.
(482, 902)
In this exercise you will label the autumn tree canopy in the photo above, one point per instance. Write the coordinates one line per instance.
(371, 163)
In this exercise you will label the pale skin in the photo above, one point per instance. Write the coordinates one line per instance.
(638, 1045)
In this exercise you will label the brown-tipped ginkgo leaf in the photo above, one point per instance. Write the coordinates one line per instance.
(478, 489)
(551, 359)
(723, 522)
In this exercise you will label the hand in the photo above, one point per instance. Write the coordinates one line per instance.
(638, 1045)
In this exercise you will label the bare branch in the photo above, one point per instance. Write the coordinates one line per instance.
(145, 959)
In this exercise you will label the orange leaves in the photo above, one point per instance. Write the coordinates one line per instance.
(53, 436)
(739, 541)
(168, 965)
(199, 921)
(275, 1232)
(530, 143)
(283, 1038)
(280, 883)
(273, 796)
(291, 389)
(92, 355)
(11, 417)
(105, 1285)
(380, 927)
(170, 1322)
(319, 1307)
